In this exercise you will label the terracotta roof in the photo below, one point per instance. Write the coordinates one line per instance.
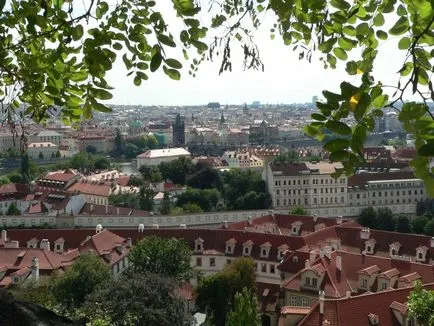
(285, 310)
(360, 180)
(389, 273)
(91, 188)
(12, 188)
(94, 209)
(59, 176)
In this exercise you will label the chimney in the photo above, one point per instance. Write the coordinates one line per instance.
(129, 242)
(35, 269)
(106, 208)
(315, 217)
(5, 236)
(141, 227)
(432, 241)
(45, 244)
(365, 233)
(91, 208)
(348, 294)
(12, 244)
(117, 211)
(249, 220)
(155, 226)
(339, 263)
(98, 228)
(225, 224)
(306, 263)
(182, 226)
(312, 256)
(339, 220)
(321, 297)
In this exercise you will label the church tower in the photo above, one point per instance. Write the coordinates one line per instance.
(178, 132)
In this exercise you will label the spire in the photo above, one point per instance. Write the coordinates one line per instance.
(222, 119)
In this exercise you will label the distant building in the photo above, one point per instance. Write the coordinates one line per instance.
(178, 130)
(44, 150)
(213, 105)
(47, 136)
(256, 104)
(156, 156)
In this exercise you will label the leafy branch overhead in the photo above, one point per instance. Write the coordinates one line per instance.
(50, 58)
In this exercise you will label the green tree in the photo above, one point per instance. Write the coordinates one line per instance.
(58, 154)
(288, 157)
(191, 208)
(418, 224)
(102, 163)
(161, 256)
(131, 150)
(205, 178)
(118, 143)
(298, 211)
(146, 198)
(215, 294)
(41, 156)
(165, 205)
(139, 299)
(206, 199)
(403, 224)
(83, 161)
(368, 218)
(176, 170)
(245, 310)
(135, 181)
(385, 219)
(13, 210)
(429, 228)
(4, 180)
(80, 280)
(25, 168)
(420, 305)
(15, 177)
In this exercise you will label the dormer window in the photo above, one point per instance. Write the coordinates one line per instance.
(198, 245)
(364, 283)
(295, 228)
(295, 260)
(394, 248)
(230, 246)
(16, 280)
(421, 253)
(247, 248)
(281, 251)
(265, 250)
(369, 246)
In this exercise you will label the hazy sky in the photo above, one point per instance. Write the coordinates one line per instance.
(285, 79)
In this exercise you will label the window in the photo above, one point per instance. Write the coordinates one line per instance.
(420, 256)
(314, 282)
(198, 247)
(307, 281)
(383, 285)
(246, 250)
(199, 261)
(264, 252)
(212, 262)
(305, 302)
(293, 300)
(272, 269)
(364, 283)
(263, 268)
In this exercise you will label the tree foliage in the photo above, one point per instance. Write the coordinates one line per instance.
(165, 257)
(245, 310)
(216, 293)
(299, 210)
(420, 305)
(13, 210)
(139, 299)
(81, 279)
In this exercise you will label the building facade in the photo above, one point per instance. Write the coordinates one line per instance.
(154, 157)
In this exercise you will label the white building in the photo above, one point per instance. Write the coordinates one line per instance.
(156, 156)
(312, 186)
(242, 160)
(45, 150)
(48, 136)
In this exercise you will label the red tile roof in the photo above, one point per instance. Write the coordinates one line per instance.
(91, 188)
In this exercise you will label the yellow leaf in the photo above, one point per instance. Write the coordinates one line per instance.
(359, 72)
(353, 101)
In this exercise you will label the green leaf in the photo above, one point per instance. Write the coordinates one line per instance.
(318, 117)
(351, 68)
(117, 46)
(172, 73)
(337, 145)
(427, 149)
(156, 61)
(217, 21)
(101, 94)
(137, 80)
(332, 97)
(166, 40)
(58, 3)
(380, 101)
(173, 63)
(127, 62)
(348, 90)
(340, 54)
(2, 4)
(77, 32)
(382, 35)
(404, 43)
(406, 69)
(338, 127)
(362, 106)
(338, 156)
(401, 26)
(379, 19)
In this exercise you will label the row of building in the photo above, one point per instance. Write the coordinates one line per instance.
(309, 270)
